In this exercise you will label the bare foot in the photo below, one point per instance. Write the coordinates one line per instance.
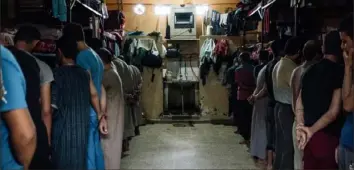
(269, 167)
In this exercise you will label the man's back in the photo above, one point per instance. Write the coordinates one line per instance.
(297, 76)
(89, 60)
(281, 80)
(31, 71)
(15, 85)
(245, 81)
(318, 85)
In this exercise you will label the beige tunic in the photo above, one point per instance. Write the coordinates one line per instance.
(112, 143)
(127, 80)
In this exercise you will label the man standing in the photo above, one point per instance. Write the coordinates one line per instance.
(268, 89)
(16, 126)
(318, 106)
(246, 84)
(89, 60)
(38, 77)
(345, 149)
(310, 52)
(284, 116)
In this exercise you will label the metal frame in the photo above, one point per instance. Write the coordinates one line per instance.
(72, 4)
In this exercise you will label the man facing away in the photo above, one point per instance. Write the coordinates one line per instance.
(318, 106)
(268, 89)
(310, 52)
(246, 84)
(17, 130)
(345, 149)
(89, 60)
(284, 116)
(38, 77)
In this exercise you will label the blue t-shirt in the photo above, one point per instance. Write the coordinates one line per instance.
(346, 138)
(89, 60)
(15, 98)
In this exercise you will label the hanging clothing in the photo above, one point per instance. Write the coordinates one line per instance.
(89, 60)
(124, 72)
(112, 143)
(71, 118)
(258, 127)
(59, 8)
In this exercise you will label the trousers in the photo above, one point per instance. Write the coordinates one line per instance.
(319, 152)
(270, 125)
(284, 150)
(345, 157)
(245, 118)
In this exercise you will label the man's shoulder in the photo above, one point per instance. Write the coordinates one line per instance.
(8, 57)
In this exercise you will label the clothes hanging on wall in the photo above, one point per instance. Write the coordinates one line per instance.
(220, 54)
(142, 52)
(59, 9)
(215, 22)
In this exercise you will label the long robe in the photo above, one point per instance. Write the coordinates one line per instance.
(133, 88)
(137, 87)
(127, 80)
(112, 143)
(71, 119)
(258, 128)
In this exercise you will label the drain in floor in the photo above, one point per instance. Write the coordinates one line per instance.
(187, 124)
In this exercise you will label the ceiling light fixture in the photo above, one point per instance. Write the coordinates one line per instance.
(139, 9)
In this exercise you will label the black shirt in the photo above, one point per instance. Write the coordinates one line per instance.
(269, 81)
(31, 72)
(318, 85)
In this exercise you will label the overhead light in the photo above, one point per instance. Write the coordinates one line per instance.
(139, 9)
(201, 9)
(162, 10)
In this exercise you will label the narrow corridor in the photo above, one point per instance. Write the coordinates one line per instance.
(204, 146)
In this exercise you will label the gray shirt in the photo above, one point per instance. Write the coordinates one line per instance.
(46, 74)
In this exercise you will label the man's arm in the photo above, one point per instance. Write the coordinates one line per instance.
(295, 86)
(348, 89)
(331, 114)
(262, 93)
(22, 134)
(46, 108)
(22, 131)
(46, 77)
(299, 110)
(103, 101)
(95, 100)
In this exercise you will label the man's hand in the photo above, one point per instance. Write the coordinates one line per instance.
(103, 127)
(307, 132)
(348, 57)
(251, 99)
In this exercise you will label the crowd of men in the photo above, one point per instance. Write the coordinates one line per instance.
(57, 118)
(310, 94)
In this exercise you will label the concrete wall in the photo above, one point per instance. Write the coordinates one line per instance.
(150, 22)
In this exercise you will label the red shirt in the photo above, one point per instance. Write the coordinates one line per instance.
(245, 81)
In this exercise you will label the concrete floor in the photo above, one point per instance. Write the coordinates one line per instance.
(204, 146)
